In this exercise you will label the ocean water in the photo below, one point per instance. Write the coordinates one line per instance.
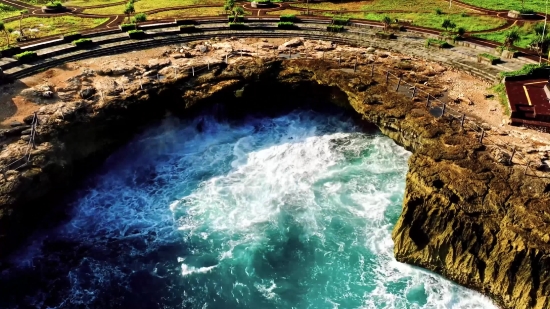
(292, 211)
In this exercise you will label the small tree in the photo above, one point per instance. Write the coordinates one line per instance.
(229, 5)
(387, 22)
(237, 11)
(511, 37)
(22, 13)
(129, 9)
(6, 31)
(461, 31)
(447, 23)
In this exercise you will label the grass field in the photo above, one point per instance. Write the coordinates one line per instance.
(88, 2)
(526, 34)
(187, 13)
(537, 5)
(8, 11)
(147, 5)
(52, 25)
(284, 12)
(389, 5)
(432, 20)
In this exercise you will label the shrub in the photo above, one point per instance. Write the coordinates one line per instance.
(492, 59)
(69, 37)
(240, 19)
(285, 25)
(54, 5)
(463, 14)
(140, 17)
(26, 56)
(188, 28)
(438, 43)
(263, 1)
(527, 11)
(438, 11)
(335, 28)
(291, 18)
(9, 51)
(237, 26)
(127, 27)
(384, 35)
(82, 42)
(527, 69)
(136, 34)
(340, 21)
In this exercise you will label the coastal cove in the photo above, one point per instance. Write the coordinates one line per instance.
(477, 222)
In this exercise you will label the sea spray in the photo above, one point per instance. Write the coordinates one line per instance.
(294, 211)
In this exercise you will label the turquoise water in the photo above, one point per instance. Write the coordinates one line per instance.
(294, 211)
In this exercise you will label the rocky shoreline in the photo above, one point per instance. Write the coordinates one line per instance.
(483, 224)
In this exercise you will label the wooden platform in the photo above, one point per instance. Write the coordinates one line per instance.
(529, 103)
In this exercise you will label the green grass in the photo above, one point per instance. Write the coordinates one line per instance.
(186, 13)
(527, 69)
(536, 5)
(500, 90)
(526, 34)
(432, 20)
(146, 5)
(434, 42)
(8, 11)
(488, 56)
(52, 25)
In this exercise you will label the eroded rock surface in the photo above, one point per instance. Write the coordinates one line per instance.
(481, 223)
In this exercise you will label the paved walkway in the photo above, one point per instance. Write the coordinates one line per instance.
(115, 20)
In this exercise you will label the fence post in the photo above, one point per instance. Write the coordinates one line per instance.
(193, 70)
(241, 54)
(372, 72)
(443, 111)
(398, 84)
(462, 121)
(355, 65)
(482, 136)
(339, 60)
(208, 65)
(140, 83)
(387, 77)
(526, 167)
(414, 92)
(226, 59)
(289, 53)
(512, 155)
(428, 101)
(323, 57)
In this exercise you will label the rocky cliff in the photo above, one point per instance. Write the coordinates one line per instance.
(478, 222)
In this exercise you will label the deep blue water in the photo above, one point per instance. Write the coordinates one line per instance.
(294, 211)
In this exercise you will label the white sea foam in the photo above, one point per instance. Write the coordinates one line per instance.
(296, 211)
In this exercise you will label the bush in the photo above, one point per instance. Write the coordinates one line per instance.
(127, 27)
(140, 17)
(291, 18)
(237, 26)
(82, 42)
(26, 56)
(136, 34)
(240, 19)
(464, 14)
(54, 5)
(438, 11)
(263, 1)
(285, 25)
(340, 21)
(492, 59)
(527, 69)
(9, 51)
(69, 37)
(384, 35)
(527, 11)
(438, 43)
(188, 28)
(335, 28)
